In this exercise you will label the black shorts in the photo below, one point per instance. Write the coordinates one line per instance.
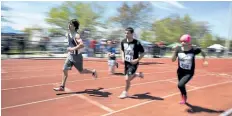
(130, 69)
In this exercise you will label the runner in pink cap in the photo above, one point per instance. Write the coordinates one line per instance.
(185, 38)
(186, 63)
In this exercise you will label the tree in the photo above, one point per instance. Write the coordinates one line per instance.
(171, 28)
(117, 34)
(206, 40)
(88, 18)
(136, 15)
(147, 36)
(219, 40)
(187, 24)
(168, 29)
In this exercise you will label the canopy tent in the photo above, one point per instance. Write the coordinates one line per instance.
(216, 46)
(173, 45)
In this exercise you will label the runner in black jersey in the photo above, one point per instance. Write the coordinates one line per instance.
(186, 63)
(132, 52)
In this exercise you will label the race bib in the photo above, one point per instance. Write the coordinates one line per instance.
(129, 52)
(185, 65)
(128, 58)
(129, 55)
(185, 60)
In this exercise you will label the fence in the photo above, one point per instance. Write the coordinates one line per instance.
(51, 47)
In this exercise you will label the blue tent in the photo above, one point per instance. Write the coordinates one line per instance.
(10, 30)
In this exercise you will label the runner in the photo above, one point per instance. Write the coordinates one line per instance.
(130, 50)
(74, 57)
(186, 63)
(112, 58)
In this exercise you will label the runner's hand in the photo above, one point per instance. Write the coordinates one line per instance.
(135, 61)
(70, 49)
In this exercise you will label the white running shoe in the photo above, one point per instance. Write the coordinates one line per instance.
(123, 95)
(60, 88)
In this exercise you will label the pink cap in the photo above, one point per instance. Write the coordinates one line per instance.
(185, 38)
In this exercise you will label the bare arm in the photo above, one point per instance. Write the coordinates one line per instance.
(112, 54)
(122, 55)
(205, 62)
(141, 56)
(79, 40)
(174, 56)
(203, 54)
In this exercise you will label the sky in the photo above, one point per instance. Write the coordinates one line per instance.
(30, 13)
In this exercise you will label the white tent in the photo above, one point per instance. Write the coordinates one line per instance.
(217, 46)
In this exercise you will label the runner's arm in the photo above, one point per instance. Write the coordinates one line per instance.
(174, 56)
(205, 62)
(79, 40)
(141, 56)
(203, 54)
(122, 55)
(122, 52)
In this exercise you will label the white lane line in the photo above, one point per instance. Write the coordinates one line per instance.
(91, 101)
(177, 93)
(138, 84)
(82, 97)
(69, 82)
(43, 76)
(41, 101)
(227, 113)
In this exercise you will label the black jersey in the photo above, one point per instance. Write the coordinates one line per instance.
(131, 49)
(186, 59)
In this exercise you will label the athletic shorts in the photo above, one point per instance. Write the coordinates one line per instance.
(130, 69)
(74, 60)
(111, 62)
